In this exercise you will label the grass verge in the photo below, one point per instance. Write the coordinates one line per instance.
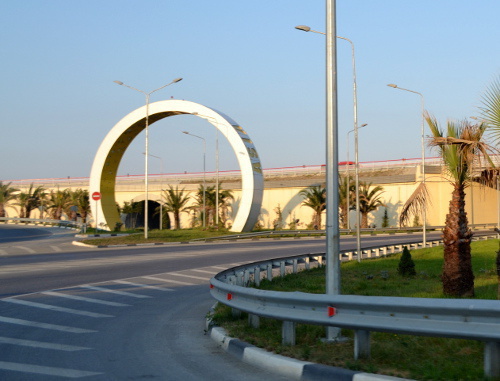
(422, 358)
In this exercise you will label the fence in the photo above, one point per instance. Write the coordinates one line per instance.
(453, 318)
(33, 221)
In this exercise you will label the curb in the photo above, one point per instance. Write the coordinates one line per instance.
(286, 366)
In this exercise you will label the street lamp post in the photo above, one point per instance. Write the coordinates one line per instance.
(161, 190)
(204, 171)
(424, 212)
(306, 28)
(356, 179)
(146, 155)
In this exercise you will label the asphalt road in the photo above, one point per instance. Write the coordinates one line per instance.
(121, 313)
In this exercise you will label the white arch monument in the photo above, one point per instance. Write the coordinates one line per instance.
(114, 145)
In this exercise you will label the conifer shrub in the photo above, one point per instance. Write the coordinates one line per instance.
(406, 266)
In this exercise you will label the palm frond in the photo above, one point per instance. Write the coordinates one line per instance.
(415, 205)
(490, 111)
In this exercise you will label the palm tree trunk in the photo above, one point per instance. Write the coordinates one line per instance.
(457, 276)
(364, 220)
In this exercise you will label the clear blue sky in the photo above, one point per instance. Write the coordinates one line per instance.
(244, 58)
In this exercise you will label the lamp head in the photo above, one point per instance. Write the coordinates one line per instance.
(393, 85)
(185, 132)
(118, 82)
(304, 28)
(363, 125)
(177, 80)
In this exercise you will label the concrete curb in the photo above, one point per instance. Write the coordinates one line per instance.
(285, 366)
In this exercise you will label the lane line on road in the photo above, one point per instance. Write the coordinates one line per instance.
(170, 281)
(84, 299)
(31, 251)
(41, 344)
(54, 308)
(54, 327)
(124, 293)
(56, 248)
(144, 285)
(49, 371)
(212, 273)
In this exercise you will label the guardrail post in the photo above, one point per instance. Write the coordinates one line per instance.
(282, 268)
(307, 264)
(492, 359)
(288, 333)
(361, 344)
(246, 278)
(270, 271)
(253, 320)
(295, 266)
(256, 276)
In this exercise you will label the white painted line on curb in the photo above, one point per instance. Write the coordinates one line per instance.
(84, 299)
(144, 285)
(54, 308)
(36, 324)
(124, 293)
(40, 344)
(50, 371)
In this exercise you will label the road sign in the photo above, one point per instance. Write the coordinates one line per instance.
(96, 196)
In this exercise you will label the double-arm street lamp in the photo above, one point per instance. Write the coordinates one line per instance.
(146, 154)
(204, 182)
(306, 28)
(424, 212)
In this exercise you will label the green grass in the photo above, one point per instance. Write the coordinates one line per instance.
(422, 358)
(155, 236)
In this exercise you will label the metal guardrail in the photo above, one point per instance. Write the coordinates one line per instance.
(35, 221)
(452, 318)
(316, 233)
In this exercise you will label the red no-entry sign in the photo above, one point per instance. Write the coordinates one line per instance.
(96, 196)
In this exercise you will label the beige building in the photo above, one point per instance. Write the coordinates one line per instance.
(282, 188)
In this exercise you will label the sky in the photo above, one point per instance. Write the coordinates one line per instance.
(243, 58)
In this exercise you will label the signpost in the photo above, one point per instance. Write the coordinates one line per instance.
(96, 196)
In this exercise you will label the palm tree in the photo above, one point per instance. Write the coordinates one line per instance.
(346, 195)
(79, 199)
(225, 197)
(176, 202)
(7, 194)
(462, 146)
(491, 108)
(369, 200)
(58, 202)
(315, 198)
(32, 199)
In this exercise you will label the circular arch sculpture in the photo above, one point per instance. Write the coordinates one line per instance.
(114, 145)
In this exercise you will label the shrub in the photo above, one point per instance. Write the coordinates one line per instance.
(406, 266)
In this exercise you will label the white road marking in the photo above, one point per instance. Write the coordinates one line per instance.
(189, 276)
(143, 285)
(55, 248)
(169, 281)
(36, 324)
(40, 344)
(50, 371)
(84, 299)
(54, 308)
(3, 252)
(124, 293)
(203, 271)
(31, 251)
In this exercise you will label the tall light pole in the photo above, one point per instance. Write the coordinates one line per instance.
(204, 182)
(161, 190)
(424, 212)
(356, 180)
(146, 154)
(306, 28)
